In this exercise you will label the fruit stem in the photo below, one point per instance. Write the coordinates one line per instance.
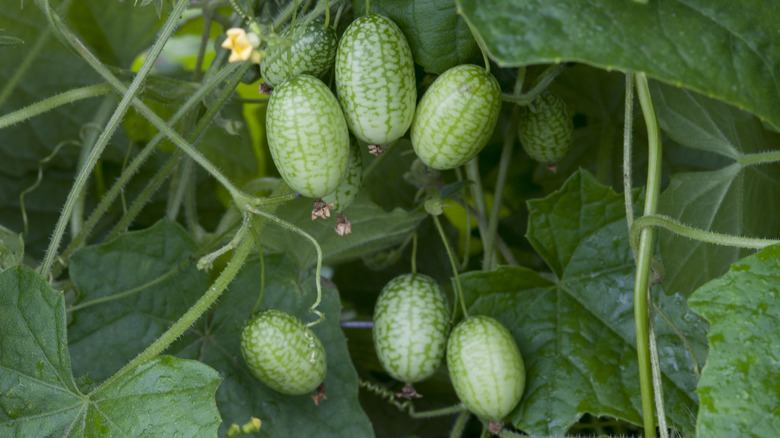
(628, 126)
(541, 84)
(490, 259)
(657, 220)
(327, 15)
(454, 264)
(317, 280)
(368, 7)
(645, 254)
(458, 408)
(460, 424)
(54, 102)
(472, 173)
(127, 99)
(256, 237)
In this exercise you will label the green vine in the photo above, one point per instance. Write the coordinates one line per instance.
(645, 255)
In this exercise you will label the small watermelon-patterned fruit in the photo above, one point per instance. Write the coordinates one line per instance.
(312, 52)
(375, 79)
(282, 352)
(411, 322)
(546, 133)
(307, 136)
(456, 117)
(486, 367)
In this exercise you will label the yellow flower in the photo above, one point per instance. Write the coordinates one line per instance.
(239, 43)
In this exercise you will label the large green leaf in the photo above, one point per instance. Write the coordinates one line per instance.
(740, 386)
(438, 37)
(373, 230)
(215, 341)
(577, 333)
(39, 397)
(717, 47)
(740, 199)
(153, 274)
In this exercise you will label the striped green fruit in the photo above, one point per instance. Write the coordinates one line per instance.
(375, 79)
(347, 191)
(456, 117)
(546, 133)
(486, 367)
(411, 322)
(307, 136)
(283, 353)
(312, 52)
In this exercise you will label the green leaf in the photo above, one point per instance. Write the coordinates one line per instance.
(739, 388)
(216, 341)
(705, 45)
(373, 230)
(577, 334)
(11, 248)
(117, 32)
(153, 275)
(38, 396)
(737, 198)
(438, 37)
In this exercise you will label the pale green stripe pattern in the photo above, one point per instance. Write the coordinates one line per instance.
(312, 52)
(456, 117)
(283, 353)
(307, 136)
(347, 191)
(375, 79)
(486, 367)
(411, 322)
(547, 132)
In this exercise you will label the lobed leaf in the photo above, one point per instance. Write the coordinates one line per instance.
(39, 397)
(147, 279)
(739, 388)
(577, 333)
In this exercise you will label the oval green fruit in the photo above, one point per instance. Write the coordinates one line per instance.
(411, 322)
(283, 353)
(347, 191)
(375, 79)
(307, 136)
(546, 133)
(485, 367)
(456, 117)
(312, 52)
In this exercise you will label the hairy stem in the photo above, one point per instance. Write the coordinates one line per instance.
(56, 101)
(628, 125)
(657, 220)
(111, 126)
(645, 254)
(453, 263)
